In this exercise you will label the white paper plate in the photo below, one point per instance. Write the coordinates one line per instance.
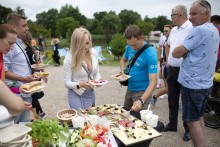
(98, 84)
(121, 77)
(34, 90)
(13, 132)
(39, 66)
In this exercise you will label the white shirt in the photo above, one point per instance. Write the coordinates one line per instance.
(6, 119)
(15, 61)
(73, 78)
(176, 37)
(161, 43)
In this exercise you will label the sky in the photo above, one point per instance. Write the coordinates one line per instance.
(152, 8)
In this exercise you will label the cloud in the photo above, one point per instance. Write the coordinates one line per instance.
(151, 8)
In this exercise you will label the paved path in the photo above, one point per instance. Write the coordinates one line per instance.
(55, 99)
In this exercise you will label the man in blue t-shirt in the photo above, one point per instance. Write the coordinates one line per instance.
(199, 50)
(143, 73)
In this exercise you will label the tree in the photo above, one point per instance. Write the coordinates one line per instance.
(100, 15)
(48, 19)
(69, 11)
(118, 44)
(19, 10)
(65, 26)
(37, 29)
(94, 26)
(161, 21)
(128, 17)
(146, 27)
(111, 25)
(4, 11)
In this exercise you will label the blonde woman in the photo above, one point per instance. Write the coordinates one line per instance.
(81, 65)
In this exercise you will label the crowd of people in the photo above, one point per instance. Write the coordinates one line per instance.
(188, 54)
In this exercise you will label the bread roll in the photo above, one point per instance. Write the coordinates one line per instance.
(30, 85)
(41, 74)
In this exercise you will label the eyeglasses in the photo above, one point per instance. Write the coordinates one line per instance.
(173, 15)
(204, 4)
(165, 31)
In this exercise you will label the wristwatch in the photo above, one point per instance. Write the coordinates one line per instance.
(77, 86)
(142, 101)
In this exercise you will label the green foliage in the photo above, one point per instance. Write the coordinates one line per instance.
(111, 25)
(48, 19)
(117, 45)
(37, 29)
(100, 15)
(19, 10)
(146, 27)
(69, 11)
(94, 26)
(128, 17)
(47, 132)
(161, 22)
(3, 13)
(65, 26)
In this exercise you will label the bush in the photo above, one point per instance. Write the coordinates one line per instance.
(118, 44)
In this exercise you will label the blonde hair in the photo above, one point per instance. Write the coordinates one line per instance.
(78, 46)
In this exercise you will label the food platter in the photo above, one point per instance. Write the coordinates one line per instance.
(98, 83)
(120, 77)
(126, 128)
(39, 66)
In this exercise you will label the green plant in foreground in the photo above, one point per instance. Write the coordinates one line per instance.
(48, 132)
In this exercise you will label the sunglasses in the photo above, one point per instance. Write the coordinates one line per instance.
(205, 4)
(173, 15)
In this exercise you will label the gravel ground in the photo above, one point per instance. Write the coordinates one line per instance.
(55, 99)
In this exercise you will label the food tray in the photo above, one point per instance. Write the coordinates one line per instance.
(141, 131)
(13, 132)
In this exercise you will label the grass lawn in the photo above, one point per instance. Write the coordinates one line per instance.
(113, 61)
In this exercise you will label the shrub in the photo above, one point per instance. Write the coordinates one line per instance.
(117, 45)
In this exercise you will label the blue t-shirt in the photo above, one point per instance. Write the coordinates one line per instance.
(145, 64)
(197, 69)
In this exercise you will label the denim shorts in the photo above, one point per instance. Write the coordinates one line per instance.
(193, 103)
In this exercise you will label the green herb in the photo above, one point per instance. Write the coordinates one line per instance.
(48, 132)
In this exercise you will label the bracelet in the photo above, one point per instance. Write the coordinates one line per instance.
(142, 100)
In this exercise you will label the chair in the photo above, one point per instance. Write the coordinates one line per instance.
(101, 58)
(109, 51)
(63, 52)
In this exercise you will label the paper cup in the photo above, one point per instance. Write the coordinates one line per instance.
(144, 113)
(152, 120)
(78, 122)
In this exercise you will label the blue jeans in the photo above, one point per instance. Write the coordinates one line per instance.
(194, 103)
(24, 116)
(86, 100)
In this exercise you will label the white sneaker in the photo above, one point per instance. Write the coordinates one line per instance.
(165, 96)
